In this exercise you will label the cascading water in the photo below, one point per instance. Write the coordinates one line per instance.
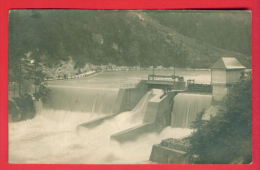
(83, 99)
(100, 135)
(186, 108)
(52, 136)
(135, 116)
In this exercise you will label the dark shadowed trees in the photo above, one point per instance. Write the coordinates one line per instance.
(227, 137)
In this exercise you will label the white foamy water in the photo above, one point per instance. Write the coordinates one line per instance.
(45, 135)
(51, 140)
(53, 136)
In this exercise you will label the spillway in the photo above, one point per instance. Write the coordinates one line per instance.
(135, 116)
(83, 99)
(186, 108)
(121, 121)
(52, 136)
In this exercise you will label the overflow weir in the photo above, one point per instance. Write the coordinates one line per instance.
(159, 104)
(161, 108)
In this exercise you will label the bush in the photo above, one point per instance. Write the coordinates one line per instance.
(226, 138)
(21, 108)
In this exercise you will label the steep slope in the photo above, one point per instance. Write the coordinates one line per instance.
(230, 30)
(196, 53)
(107, 36)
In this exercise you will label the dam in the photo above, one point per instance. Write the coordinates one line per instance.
(113, 117)
(99, 119)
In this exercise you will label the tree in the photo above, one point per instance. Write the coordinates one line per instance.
(227, 137)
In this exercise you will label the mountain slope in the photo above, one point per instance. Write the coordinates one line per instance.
(103, 36)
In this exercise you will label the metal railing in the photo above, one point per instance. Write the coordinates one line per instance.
(194, 87)
(172, 77)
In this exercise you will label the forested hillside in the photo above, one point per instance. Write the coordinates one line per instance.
(230, 30)
(134, 37)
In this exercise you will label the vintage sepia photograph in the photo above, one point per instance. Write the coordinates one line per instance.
(129, 86)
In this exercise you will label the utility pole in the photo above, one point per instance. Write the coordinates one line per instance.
(153, 71)
(34, 75)
(173, 75)
(20, 78)
(174, 70)
(35, 90)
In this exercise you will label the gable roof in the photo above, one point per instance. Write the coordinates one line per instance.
(228, 63)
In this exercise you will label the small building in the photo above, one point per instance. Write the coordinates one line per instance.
(224, 73)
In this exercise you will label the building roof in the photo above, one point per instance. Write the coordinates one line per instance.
(228, 63)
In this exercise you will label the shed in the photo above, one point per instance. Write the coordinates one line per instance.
(225, 72)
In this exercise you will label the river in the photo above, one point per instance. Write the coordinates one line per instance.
(52, 136)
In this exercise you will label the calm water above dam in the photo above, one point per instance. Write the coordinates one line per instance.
(120, 78)
(52, 136)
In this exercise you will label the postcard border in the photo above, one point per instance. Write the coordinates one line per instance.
(5, 6)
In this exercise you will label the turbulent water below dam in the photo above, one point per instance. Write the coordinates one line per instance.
(53, 137)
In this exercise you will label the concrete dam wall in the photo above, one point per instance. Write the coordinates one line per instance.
(156, 117)
(126, 100)
(173, 109)
(152, 109)
(127, 114)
